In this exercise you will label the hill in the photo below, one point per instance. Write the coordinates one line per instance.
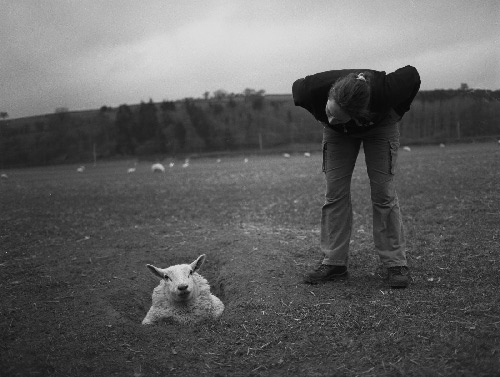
(225, 123)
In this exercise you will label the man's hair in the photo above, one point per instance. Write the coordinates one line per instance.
(352, 94)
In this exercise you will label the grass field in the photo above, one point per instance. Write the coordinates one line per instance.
(75, 287)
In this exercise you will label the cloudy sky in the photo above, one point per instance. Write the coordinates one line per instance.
(83, 54)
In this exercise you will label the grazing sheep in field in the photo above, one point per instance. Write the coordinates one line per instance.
(408, 149)
(132, 170)
(4, 176)
(183, 295)
(81, 169)
(286, 155)
(158, 168)
(307, 154)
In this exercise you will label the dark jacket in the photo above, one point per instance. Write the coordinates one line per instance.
(395, 90)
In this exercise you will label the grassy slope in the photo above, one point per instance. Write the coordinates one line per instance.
(74, 286)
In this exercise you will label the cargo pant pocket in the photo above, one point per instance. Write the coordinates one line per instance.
(394, 156)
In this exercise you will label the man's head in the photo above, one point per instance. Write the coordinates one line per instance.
(348, 98)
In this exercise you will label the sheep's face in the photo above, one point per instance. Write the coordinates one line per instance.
(179, 279)
(179, 282)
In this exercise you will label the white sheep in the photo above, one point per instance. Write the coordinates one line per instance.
(183, 295)
(81, 169)
(158, 168)
(132, 170)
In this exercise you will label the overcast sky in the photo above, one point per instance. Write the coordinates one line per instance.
(83, 54)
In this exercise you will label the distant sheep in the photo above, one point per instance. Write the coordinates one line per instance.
(4, 176)
(81, 169)
(157, 168)
(132, 170)
(183, 295)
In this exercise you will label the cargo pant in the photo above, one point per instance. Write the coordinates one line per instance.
(340, 151)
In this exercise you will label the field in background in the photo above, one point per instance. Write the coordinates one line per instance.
(75, 287)
(226, 123)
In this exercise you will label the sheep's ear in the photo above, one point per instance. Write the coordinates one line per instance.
(198, 262)
(156, 271)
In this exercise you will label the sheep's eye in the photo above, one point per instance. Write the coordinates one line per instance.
(166, 277)
(191, 272)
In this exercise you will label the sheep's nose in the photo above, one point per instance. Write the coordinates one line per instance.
(182, 287)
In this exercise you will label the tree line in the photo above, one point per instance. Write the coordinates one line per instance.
(222, 122)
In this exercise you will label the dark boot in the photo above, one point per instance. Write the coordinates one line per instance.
(399, 276)
(325, 272)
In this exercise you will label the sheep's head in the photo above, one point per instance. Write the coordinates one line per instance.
(179, 278)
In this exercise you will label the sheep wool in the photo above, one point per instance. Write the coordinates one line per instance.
(183, 295)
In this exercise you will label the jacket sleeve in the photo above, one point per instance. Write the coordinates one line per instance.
(401, 87)
(299, 93)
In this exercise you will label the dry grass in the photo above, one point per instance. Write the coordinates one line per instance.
(75, 287)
